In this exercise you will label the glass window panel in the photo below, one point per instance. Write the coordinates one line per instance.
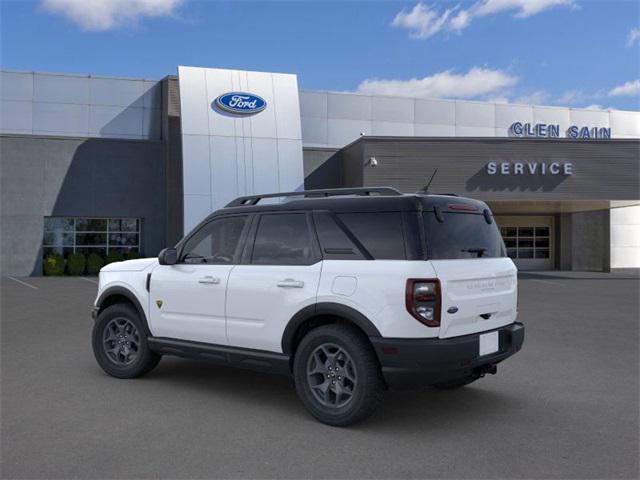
(542, 253)
(510, 242)
(57, 237)
(509, 231)
(123, 225)
(512, 252)
(524, 243)
(283, 239)
(58, 223)
(525, 253)
(462, 235)
(542, 231)
(91, 224)
(379, 233)
(90, 239)
(122, 250)
(525, 231)
(102, 251)
(542, 242)
(47, 250)
(123, 239)
(217, 242)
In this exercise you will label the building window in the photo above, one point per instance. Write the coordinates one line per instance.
(65, 235)
(526, 242)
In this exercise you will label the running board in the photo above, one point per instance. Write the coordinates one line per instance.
(258, 360)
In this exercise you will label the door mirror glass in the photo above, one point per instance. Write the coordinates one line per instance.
(168, 256)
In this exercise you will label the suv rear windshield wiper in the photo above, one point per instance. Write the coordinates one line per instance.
(479, 251)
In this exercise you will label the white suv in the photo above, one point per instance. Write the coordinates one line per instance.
(350, 291)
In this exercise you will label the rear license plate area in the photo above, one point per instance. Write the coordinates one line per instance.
(489, 343)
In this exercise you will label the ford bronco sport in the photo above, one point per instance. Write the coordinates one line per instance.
(350, 291)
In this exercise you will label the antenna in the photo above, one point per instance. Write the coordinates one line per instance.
(426, 187)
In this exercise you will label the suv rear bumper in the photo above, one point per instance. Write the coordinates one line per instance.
(416, 362)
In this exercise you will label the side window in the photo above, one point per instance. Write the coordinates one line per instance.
(283, 239)
(380, 233)
(215, 243)
(334, 242)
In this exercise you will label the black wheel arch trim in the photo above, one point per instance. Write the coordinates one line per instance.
(129, 295)
(327, 309)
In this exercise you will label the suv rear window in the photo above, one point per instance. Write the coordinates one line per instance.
(380, 233)
(462, 235)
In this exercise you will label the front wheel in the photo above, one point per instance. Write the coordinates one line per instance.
(120, 343)
(337, 375)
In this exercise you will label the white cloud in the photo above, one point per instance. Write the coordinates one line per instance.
(424, 22)
(100, 15)
(595, 106)
(631, 87)
(421, 21)
(633, 36)
(475, 83)
(538, 97)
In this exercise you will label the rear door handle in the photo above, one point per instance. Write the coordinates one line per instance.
(290, 283)
(209, 280)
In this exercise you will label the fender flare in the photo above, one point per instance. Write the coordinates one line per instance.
(129, 295)
(328, 309)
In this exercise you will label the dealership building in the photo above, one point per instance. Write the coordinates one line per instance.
(102, 164)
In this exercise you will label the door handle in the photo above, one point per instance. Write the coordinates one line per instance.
(209, 280)
(290, 283)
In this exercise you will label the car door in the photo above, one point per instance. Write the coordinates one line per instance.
(278, 277)
(187, 300)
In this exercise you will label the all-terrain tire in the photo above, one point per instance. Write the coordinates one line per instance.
(120, 343)
(359, 383)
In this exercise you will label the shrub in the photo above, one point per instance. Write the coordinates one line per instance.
(94, 263)
(76, 263)
(53, 264)
(113, 257)
(132, 255)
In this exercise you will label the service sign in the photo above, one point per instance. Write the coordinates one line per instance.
(240, 103)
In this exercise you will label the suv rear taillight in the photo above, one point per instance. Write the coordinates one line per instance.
(423, 300)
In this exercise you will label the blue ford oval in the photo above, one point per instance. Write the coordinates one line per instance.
(241, 103)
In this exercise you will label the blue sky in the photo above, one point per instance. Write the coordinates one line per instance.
(562, 52)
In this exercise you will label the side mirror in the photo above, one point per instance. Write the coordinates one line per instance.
(168, 256)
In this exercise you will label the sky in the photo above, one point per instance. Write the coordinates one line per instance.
(578, 53)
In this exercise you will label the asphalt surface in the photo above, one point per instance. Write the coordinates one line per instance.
(565, 407)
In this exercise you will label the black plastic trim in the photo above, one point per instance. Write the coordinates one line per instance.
(259, 360)
(129, 295)
(326, 309)
(415, 362)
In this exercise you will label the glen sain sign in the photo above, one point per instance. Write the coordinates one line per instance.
(545, 130)
(240, 103)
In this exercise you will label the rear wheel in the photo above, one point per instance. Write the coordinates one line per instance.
(337, 375)
(120, 343)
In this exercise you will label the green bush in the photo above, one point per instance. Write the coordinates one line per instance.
(113, 257)
(132, 255)
(53, 264)
(94, 263)
(76, 263)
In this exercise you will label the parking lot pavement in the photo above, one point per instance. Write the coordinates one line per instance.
(565, 406)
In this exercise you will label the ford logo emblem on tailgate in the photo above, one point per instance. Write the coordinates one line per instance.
(240, 103)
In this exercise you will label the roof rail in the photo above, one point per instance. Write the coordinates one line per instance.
(331, 192)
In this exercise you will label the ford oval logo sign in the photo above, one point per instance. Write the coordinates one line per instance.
(240, 103)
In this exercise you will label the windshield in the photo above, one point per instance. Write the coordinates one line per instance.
(462, 235)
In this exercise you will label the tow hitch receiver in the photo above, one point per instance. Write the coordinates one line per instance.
(489, 369)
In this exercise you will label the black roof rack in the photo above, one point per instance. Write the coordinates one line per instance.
(254, 199)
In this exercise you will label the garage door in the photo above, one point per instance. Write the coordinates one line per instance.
(529, 241)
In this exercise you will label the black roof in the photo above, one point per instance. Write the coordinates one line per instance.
(381, 199)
